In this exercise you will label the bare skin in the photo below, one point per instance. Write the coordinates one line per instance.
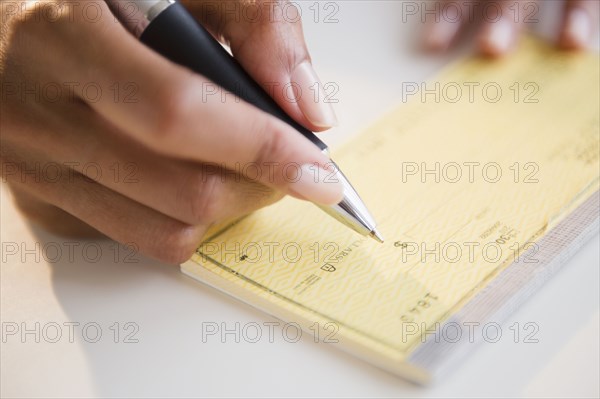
(151, 159)
(502, 21)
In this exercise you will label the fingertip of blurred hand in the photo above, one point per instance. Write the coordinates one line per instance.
(440, 35)
(498, 38)
(577, 30)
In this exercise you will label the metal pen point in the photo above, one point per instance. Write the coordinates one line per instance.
(352, 211)
(376, 236)
(167, 28)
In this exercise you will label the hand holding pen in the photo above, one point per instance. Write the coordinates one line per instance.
(133, 147)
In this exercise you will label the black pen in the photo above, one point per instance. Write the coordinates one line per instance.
(168, 28)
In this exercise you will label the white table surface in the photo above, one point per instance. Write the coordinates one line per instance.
(368, 53)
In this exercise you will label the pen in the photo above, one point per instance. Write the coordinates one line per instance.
(168, 28)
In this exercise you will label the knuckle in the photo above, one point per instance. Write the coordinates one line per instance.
(256, 196)
(201, 197)
(279, 11)
(220, 28)
(271, 141)
(36, 17)
(179, 241)
(271, 197)
(278, 21)
(172, 108)
(274, 151)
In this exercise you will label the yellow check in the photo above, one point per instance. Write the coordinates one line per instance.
(477, 167)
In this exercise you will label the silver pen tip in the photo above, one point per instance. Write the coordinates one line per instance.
(376, 236)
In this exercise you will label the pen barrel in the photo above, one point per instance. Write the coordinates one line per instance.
(176, 35)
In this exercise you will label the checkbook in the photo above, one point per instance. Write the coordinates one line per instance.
(484, 183)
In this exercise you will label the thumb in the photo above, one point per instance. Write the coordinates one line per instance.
(266, 38)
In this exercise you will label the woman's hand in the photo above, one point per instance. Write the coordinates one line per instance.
(101, 134)
(503, 20)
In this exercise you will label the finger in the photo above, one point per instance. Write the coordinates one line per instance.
(112, 214)
(171, 115)
(502, 24)
(443, 26)
(579, 23)
(50, 217)
(266, 38)
(188, 191)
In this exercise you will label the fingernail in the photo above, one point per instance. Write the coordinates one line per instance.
(441, 34)
(318, 185)
(312, 96)
(578, 27)
(500, 36)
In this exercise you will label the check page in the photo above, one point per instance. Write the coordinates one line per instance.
(471, 172)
